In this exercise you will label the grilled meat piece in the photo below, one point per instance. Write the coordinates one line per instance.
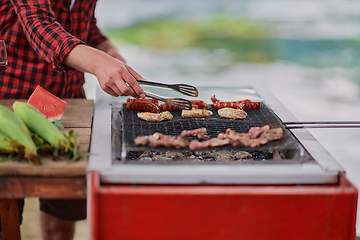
(213, 142)
(255, 137)
(255, 132)
(161, 140)
(198, 104)
(272, 134)
(200, 133)
(142, 100)
(155, 117)
(143, 106)
(142, 140)
(232, 113)
(246, 141)
(148, 105)
(196, 113)
(248, 105)
(168, 107)
(242, 104)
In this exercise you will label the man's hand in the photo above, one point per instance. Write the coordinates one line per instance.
(115, 77)
(118, 79)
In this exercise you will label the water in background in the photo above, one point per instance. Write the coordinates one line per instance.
(316, 76)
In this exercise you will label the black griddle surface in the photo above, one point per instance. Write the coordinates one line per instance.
(134, 126)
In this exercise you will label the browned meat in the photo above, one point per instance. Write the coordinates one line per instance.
(200, 133)
(272, 134)
(246, 141)
(168, 107)
(161, 140)
(148, 105)
(241, 139)
(143, 106)
(232, 113)
(248, 105)
(242, 104)
(255, 132)
(231, 134)
(142, 100)
(198, 104)
(196, 113)
(142, 140)
(255, 137)
(155, 117)
(213, 142)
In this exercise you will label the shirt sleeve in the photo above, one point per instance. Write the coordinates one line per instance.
(46, 36)
(95, 34)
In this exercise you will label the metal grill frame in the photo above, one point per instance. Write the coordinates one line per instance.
(324, 170)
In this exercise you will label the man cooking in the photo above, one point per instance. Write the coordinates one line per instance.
(52, 43)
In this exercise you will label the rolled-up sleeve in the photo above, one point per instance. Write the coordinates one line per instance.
(95, 34)
(46, 35)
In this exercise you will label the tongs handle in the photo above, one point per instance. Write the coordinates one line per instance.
(150, 83)
(182, 88)
(155, 96)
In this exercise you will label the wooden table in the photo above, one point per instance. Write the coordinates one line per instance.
(53, 179)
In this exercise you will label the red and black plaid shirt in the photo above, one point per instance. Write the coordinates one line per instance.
(39, 34)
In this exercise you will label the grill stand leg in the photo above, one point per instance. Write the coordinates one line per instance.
(9, 219)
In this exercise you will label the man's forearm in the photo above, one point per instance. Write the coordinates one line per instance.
(86, 59)
(104, 46)
(109, 48)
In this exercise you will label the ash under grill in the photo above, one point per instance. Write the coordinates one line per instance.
(126, 126)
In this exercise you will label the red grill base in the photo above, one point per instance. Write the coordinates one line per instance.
(310, 212)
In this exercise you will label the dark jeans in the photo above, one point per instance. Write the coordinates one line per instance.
(71, 210)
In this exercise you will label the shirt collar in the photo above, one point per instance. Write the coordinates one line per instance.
(72, 4)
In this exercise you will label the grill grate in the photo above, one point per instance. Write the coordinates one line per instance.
(132, 127)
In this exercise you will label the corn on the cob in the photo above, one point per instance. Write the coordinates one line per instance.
(14, 128)
(7, 145)
(40, 125)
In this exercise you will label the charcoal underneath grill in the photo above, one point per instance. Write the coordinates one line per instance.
(212, 156)
(126, 126)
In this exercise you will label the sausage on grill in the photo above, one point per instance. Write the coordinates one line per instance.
(243, 104)
(143, 106)
(142, 100)
(168, 107)
(198, 104)
(248, 105)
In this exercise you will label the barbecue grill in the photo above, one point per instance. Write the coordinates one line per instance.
(293, 165)
(303, 159)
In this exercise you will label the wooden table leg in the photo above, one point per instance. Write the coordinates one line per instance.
(9, 219)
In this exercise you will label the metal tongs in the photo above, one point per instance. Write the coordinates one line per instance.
(180, 103)
(322, 124)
